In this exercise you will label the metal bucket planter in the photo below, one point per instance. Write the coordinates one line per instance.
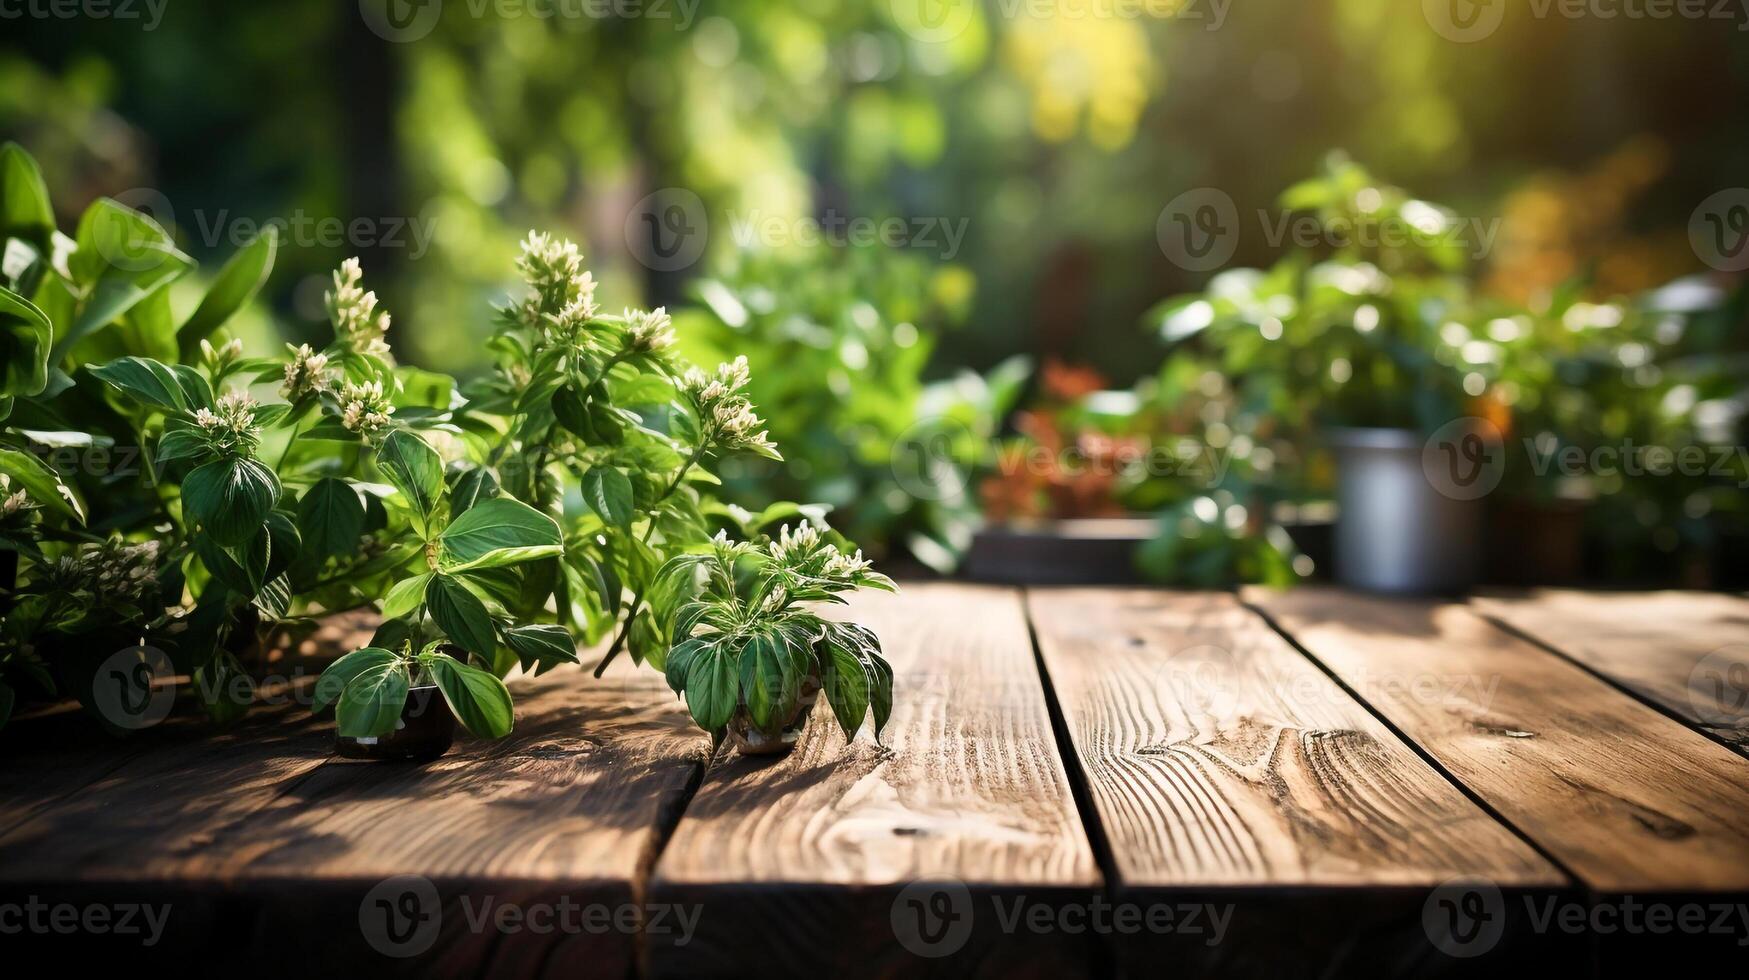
(1399, 532)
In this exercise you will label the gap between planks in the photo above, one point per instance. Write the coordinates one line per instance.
(1222, 765)
(967, 801)
(1628, 640)
(1627, 799)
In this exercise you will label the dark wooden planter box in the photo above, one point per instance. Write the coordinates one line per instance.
(1091, 551)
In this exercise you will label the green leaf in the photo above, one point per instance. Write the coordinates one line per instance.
(406, 596)
(181, 440)
(415, 469)
(25, 211)
(480, 701)
(25, 337)
(609, 493)
(460, 614)
(541, 644)
(847, 685)
(198, 393)
(762, 680)
(610, 427)
(341, 672)
(236, 284)
(230, 498)
(331, 517)
(226, 690)
(501, 531)
(241, 568)
(572, 411)
(711, 688)
(147, 329)
(42, 484)
(423, 389)
(122, 257)
(371, 702)
(471, 487)
(275, 598)
(145, 380)
(880, 692)
(679, 665)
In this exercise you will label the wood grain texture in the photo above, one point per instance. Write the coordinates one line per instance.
(798, 864)
(1685, 651)
(1627, 799)
(51, 751)
(1221, 762)
(1218, 755)
(263, 835)
(146, 818)
(51, 756)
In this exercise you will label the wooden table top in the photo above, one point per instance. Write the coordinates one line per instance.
(1080, 782)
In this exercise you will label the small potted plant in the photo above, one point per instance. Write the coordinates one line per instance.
(395, 700)
(750, 653)
(1363, 345)
(401, 706)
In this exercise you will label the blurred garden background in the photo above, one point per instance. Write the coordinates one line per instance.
(962, 218)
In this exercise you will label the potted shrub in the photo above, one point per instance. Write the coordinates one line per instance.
(1355, 346)
(1634, 384)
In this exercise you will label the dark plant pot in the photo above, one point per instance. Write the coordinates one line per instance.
(1312, 529)
(1083, 551)
(426, 730)
(1536, 543)
(750, 740)
(1396, 532)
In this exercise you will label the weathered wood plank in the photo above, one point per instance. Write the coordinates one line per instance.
(1685, 651)
(1627, 799)
(263, 837)
(54, 751)
(145, 818)
(802, 865)
(1222, 763)
(52, 756)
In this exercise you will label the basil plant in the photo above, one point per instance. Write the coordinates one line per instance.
(750, 646)
(136, 515)
(578, 473)
(163, 494)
